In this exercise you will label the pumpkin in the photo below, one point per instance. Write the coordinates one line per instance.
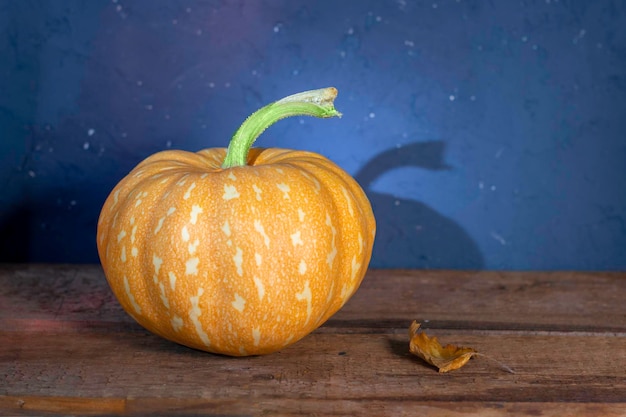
(238, 251)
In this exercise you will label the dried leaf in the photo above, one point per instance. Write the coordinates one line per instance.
(446, 358)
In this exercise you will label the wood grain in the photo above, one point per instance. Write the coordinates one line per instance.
(67, 348)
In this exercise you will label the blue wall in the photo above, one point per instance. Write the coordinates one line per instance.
(488, 134)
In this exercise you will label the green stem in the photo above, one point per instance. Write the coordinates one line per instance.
(316, 103)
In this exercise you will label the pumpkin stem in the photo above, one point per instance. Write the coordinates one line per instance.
(316, 103)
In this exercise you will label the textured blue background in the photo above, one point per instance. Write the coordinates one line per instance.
(488, 134)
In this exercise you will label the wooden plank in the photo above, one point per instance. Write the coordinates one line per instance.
(67, 347)
(575, 301)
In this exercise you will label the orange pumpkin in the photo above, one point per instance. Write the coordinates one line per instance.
(237, 252)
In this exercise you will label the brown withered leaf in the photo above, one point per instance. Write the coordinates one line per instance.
(446, 358)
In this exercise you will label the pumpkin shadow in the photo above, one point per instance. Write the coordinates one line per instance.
(411, 234)
(52, 224)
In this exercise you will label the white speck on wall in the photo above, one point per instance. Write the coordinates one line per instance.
(32, 174)
(498, 238)
(372, 115)
(91, 132)
(481, 185)
(493, 188)
(86, 145)
(452, 97)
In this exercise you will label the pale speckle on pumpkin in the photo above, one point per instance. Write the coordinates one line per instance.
(226, 228)
(258, 258)
(355, 268)
(302, 267)
(260, 287)
(256, 335)
(177, 323)
(285, 189)
(116, 197)
(296, 239)
(171, 210)
(194, 316)
(133, 233)
(195, 210)
(360, 240)
(159, 225)
(172, 278)
(130, 296)
(259, 228)
(134, 251)
(121, 235)
(138, 202)
(257, 192)
(238, 258)
(157, 262)
(239, 304)
(348, 200)
(306, 295)
(333, 252)
(182, 181)
(184, 232)
(193, 246)
(230, 192)
(123, 254)
(191, 266)
(232, 176)
(189, 190)
(164, 299)
(301, 214)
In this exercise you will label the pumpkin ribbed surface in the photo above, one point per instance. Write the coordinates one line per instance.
(240, 261)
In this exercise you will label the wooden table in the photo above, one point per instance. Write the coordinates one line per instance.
(66, 347)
